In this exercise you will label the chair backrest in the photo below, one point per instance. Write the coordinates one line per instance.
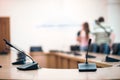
(116, 48)
(36, 49)
(94, 48)
(104, 48)
(75, 48)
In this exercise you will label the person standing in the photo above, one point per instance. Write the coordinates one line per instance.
(83, 36)
(102, 32)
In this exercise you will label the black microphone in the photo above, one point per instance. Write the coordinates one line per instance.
(0, 66)
(89, 42)
(27, 66)
(8, 43)
(87, 66)
(21, 57)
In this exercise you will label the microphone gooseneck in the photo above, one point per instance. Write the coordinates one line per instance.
(89, 42)
(17, 49)
(87, 67)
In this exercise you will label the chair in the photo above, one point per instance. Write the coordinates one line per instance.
(94, 48)
(116, 49)
(104, 48)
(75, 48)
(36, 49)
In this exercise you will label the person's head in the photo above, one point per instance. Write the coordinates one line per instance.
(85, 27)
(101, 19)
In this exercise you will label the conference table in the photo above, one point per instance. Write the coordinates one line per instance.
(9, 71)
(70, 60)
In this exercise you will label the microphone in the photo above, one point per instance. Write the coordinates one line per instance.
(27, 66)
(21, 57)
(89, 42)
(0, 66)
(83, 67)
(8, 43)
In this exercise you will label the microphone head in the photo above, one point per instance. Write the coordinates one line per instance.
(4, 40)
(7, 43)
(89, 42)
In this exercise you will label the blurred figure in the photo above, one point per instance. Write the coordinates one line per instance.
(103, 33)
(83, 36)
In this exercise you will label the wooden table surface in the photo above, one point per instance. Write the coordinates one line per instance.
(9, 71)
(99, 58)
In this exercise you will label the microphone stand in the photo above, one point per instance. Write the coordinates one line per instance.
(28, 66)
(87, 51)
(87, 66)
(23, 53)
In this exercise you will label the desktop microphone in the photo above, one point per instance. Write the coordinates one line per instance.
(83, 67)
(21, 57)
(27, 66)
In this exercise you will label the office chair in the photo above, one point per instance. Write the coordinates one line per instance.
(104, 48)
(75, 48)
(36, 49)
(116, 49)
(94, 48)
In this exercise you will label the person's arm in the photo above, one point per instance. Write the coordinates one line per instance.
(92, 36)
(112, 38)
(78, 37)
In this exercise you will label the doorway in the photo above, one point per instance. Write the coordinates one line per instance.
(4, 34)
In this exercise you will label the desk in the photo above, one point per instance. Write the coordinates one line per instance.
(70, 61)
(9, 71)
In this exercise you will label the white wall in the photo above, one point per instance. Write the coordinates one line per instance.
(29, 18)
(114, 17)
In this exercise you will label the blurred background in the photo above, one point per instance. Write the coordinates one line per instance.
(53, 24)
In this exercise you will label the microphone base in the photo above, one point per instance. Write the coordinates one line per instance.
(91, 56)
(19, 62)
(90, 67)
(110, 59)
(29, 66)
